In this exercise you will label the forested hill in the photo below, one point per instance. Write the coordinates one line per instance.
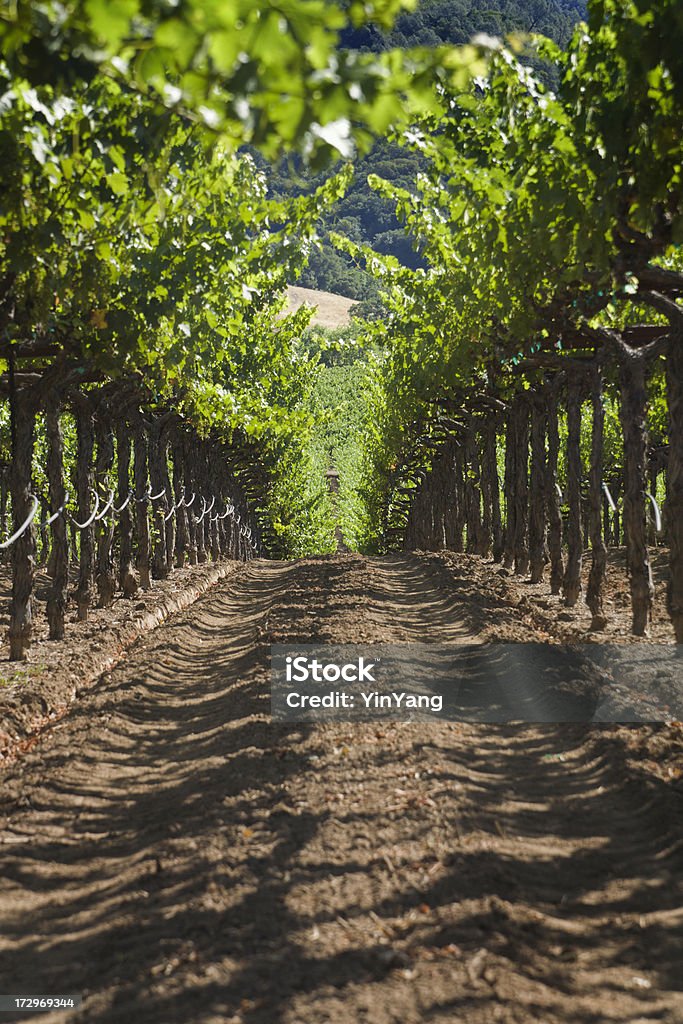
(363, 215)
(456, 21)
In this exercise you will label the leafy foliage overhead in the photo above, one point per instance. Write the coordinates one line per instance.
(272, 74)
(365, 215)
(547, 229)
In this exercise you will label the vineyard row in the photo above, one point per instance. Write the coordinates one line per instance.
(144, 494)
(525, 520)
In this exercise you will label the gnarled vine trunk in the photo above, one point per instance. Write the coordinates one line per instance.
(24, 548)
(537, 540)
(552, 498)
(452, 536)
(59, 557)
(191, 501)
(472, 493)
(491, 488)
(158, 483)
(674, 476)
(572, 585)
(104, 575)
(509, 489)
(84, 486)
(596, 577)
(521, 487)
(127, 580)
(634, 426)
(182, 534)
(141, 498)
(170, 514)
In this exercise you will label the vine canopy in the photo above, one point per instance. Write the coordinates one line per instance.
(263, 73)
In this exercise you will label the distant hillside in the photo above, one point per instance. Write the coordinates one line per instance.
(456, 21)
(363, 215)
(332, 310)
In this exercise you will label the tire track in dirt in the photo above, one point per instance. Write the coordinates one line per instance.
(174, 855)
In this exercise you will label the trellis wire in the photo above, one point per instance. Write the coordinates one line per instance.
(610, 499)
(24, 526)
(106, 508)
(116, 510)
(88, 522)
(657, 513)
(57, 514)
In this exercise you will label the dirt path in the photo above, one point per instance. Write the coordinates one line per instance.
(174, 856)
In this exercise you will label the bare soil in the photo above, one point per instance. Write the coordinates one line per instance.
(174, 855)
(332, 310)
(35, 692)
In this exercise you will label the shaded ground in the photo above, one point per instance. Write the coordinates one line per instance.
(537, 607)
(175, 856)
(36, 691)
